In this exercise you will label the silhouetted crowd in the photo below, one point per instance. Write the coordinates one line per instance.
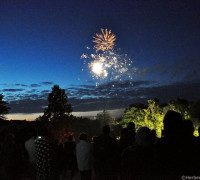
(137, 155)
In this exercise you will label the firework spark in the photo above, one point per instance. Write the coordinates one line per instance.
(97, 68)
(104, 41)
(110, 65)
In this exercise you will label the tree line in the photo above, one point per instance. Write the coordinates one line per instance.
(151, 115)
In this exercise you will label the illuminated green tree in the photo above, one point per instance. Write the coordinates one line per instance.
(154, 115)
(135, 113)
(182, 106)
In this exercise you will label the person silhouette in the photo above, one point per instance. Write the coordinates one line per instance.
(106, 155)
(127, 136)
(169, 149)
(84, 155)
(10, 154)
(138, 160)
(46, 155)
(69, 158)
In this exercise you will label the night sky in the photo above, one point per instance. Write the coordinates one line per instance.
(41, 43)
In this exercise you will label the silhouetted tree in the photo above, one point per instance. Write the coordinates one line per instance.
(3, 108)
(39, 118)
(58, 107)
(104, 118)
(195, 110)
(80, 124)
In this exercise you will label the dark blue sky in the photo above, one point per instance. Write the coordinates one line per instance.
(42, 41)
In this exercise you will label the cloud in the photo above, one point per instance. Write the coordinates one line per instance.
(32, 91)
(152, 70)
(35, 85)
(23, 85)
(12, 90)
(27, 106)
(26, 86)
(105, 89)
(105, 96)
(185, 69)
(47, 83)
(124, 84)
(185, 65)
(46, 91)
(123, 96)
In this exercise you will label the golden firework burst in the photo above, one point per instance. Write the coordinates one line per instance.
(105, 40)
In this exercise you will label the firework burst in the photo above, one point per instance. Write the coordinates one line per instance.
(109, 65)
(104, 41)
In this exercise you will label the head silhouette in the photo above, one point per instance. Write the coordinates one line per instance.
(83, 136)
(70, 138)
(131, 126)
(143, 137)
(172, 123)
(106, 130)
